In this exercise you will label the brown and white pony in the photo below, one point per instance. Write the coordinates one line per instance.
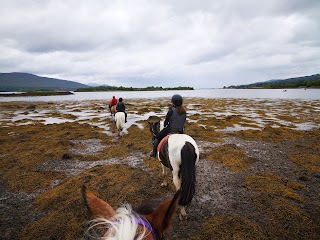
(125, 224)
(180, 154)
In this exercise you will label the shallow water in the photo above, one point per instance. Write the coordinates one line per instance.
(252, 114)
(309, 94)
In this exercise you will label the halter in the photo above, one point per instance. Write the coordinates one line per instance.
(145, 223)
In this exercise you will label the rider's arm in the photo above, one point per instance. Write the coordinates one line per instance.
(167, 120)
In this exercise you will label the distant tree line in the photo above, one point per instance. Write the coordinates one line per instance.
(300, 82)
(113, 88)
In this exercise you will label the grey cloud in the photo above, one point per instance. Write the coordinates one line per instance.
(183, 42)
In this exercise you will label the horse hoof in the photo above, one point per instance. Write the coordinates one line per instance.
(182, 217)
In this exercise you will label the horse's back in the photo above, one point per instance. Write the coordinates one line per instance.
(177, 141)
(119, 118)
(113, 109)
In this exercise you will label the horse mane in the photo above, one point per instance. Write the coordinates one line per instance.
(122, 226)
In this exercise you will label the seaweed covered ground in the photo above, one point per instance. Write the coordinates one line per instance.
(258, 176)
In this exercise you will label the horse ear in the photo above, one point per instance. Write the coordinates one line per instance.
(162, 216)
(97, 206)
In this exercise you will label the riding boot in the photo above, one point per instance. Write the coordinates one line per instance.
(125, 117)
(153, 153)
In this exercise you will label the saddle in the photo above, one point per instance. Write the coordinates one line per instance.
(163, 140)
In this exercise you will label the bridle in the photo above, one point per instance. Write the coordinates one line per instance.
(154, 129)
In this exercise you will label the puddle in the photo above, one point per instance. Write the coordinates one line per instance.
(236, 127)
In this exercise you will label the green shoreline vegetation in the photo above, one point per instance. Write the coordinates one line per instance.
(113, 88)
(36, 93)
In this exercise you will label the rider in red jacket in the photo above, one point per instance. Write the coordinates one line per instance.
(113, 102)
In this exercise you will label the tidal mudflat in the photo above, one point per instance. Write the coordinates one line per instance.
(258, 176)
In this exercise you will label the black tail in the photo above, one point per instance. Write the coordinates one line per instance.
(187, 173)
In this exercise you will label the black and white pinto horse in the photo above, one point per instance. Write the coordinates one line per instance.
(180, 154)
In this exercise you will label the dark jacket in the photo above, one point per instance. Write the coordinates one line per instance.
(175, 121)
(120, 107)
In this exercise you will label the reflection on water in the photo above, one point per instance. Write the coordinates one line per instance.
(199, 93)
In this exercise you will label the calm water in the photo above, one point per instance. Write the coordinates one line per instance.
(309, 94)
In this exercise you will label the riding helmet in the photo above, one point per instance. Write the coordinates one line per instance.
(176, 100)
(120, 99)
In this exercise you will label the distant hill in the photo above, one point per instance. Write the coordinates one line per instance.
(312, 81)
(11, 82)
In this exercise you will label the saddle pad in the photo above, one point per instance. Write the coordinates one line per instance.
(162, 141)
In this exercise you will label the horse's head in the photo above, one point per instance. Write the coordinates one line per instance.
(154, 128)
(128, 224)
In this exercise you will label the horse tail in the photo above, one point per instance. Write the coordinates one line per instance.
(187, 173)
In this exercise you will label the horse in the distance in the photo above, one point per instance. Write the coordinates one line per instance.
(113, 110)
(119, 118)
(124, 223)
(179, 153)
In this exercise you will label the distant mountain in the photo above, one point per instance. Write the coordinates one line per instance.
(312, 81)
(96, 84)
(10, 82)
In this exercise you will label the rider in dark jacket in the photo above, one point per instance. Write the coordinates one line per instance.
(121, 108)
(174, 122)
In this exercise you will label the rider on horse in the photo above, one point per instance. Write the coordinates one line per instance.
(121, 108)
(113, 102)
(174, 122)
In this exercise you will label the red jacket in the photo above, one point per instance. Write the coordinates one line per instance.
(113, 102)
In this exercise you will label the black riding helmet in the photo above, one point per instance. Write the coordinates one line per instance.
(176, 100)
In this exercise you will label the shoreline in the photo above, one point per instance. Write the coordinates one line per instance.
(34, 94)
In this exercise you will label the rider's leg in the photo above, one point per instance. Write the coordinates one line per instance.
(158, 138)
(125, 117)
(153, 153)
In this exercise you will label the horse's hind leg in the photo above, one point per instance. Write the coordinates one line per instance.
(164, 173)
(177, 184)
(183, 213)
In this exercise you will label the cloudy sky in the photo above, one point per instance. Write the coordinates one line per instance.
(168, 43)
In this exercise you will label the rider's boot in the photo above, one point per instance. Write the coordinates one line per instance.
(153, 153)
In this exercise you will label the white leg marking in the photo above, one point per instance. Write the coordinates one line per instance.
(176, 179)
(164, 173)
(183, 213)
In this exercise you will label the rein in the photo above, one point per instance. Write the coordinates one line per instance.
(154, 129)
(154, 134)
